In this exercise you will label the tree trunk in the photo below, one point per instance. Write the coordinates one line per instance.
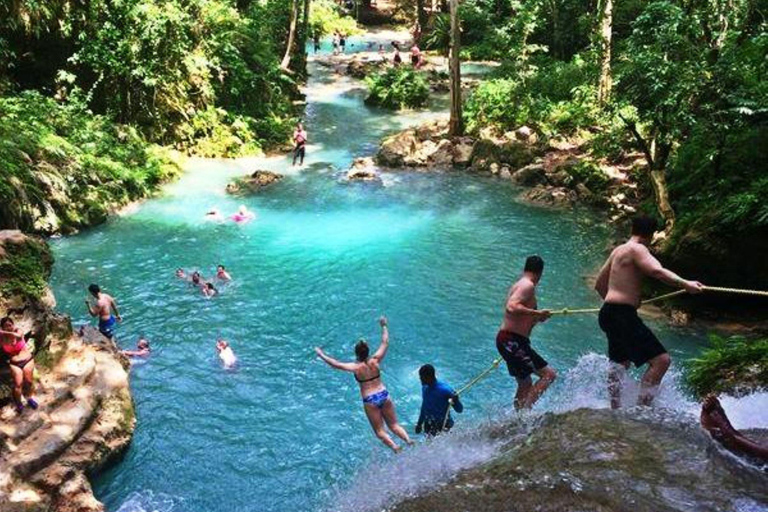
(421, 16)
(659, 181)
(304, 34)
(455, 125)
(606, 24)
(291, 35)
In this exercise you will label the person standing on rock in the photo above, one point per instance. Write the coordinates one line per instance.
(513, 343)
(377, 403)
(21, 362)
(103, 309)
(300, 141)
(619, 283)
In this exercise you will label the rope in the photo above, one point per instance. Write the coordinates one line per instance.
(480, 376)
(759, 293)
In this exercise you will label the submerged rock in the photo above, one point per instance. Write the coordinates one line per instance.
(253, 183)
(363, 169)
(86, 411)
(602, 461)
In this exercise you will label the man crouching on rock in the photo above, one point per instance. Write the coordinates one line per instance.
(629, 340)
(520, 316)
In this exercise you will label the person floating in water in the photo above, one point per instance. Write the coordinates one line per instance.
(209, 290)
(300, 141)
(21, 361)
(214, 214)
(103, 309)
(196, 279)
(180, 273)
(377, 403)
(715, 421)
(222, 274)
(226, 354)
(629, 340)
(436, 399)
(512, 340)
(142, 349)
(243, 215)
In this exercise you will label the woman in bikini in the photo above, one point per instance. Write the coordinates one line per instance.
(21, 362)
(377, 403)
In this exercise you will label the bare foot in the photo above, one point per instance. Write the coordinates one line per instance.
(713, 418)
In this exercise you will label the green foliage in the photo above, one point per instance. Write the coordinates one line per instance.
(24, 269)
(732, 365)
(397, 88)
(326, 17)
(61, 160)
(589, 174)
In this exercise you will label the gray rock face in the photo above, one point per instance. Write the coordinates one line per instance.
(396, 148)
(601, 461)
(253, 183)
(363, 169)
(530, 175)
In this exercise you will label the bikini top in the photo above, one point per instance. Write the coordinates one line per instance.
(378, 375)
(14, 349)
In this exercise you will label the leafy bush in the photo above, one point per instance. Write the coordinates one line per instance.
(397, 88)
(589, 174)
(25, 269)
(61, 160)
(732, 365)
(326, 17)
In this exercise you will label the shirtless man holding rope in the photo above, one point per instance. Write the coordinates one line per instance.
(629, 340)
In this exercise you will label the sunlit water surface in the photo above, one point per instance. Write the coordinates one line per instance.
(283, 432)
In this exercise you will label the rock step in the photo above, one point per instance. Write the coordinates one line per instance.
(63, 427)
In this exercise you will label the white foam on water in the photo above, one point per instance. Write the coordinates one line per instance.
(388, 480)
(148, 501)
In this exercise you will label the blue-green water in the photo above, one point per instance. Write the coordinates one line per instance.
(435, 252)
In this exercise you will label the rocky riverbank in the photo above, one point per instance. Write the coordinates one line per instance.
(553, 172)
(601, 461)
(86, 415)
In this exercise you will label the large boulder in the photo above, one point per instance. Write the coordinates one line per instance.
(443, 153)
(462, 151)
(433, 131)
(530, 175)
(253, 183)
(597, 461)
(396, 148)
(514, 153)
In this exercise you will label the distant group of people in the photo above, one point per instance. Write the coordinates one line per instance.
(241, 216)
(339, 42)
(206, 286)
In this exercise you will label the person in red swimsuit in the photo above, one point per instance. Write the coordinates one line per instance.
(21, 362)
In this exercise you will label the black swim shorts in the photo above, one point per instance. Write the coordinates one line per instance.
(516, 350)
(628, 337)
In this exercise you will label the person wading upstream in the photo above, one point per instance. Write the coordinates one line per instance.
(300, 141)
(629, 340)
(513, 343)
(377, 403)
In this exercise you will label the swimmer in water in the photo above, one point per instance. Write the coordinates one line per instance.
(222, 274)
(197, 279)
(214, 214)
(209, 290)
(243, 215)
(180, 273)
(377, 403)
(226, 354)
(142, 349)
(714, 421)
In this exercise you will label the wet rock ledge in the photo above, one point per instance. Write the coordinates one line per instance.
(86, 415)
(601, 461)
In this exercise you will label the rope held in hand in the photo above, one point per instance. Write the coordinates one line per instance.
(480, 376)
(758, 293)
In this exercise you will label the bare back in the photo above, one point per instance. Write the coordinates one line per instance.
(522, 292)
(104, 306)
(625, 276)
(368, 375)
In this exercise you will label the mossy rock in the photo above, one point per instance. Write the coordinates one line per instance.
(253, 183)
(25, 265)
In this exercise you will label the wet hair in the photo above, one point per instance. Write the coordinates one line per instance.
(196, 276)
(222, 267)
(143, 343)
(427, 374)
(210, 286)
(94, 289)
(643, 225)
(361, 350)
(534, 264)
(5, 320)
